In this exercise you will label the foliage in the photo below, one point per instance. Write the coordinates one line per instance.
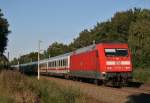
(142, 75)
(55, 49)
(14, 61)
(3, 62)
(4, 31)
(139, 41)
(31, 57)
(131, 26)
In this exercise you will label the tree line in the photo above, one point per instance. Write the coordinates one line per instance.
(131, 26)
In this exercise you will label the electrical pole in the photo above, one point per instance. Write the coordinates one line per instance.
(39, 59)
(8, 56)
(93, 42)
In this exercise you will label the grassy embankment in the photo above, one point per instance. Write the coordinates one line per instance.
(141, 75)
(17, 88)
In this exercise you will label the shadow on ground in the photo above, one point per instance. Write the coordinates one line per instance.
(135, 84)
(139, 98)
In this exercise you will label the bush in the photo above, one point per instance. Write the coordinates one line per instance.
(142, 75)
(18, 88)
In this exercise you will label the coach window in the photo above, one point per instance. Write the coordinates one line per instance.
(50, 64)
(66, 62)
(56, 64)
(63, 62)
(53, 63)
(59, 63)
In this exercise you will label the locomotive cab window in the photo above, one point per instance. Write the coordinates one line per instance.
(116, 52)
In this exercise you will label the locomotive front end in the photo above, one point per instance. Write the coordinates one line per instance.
(115, 63)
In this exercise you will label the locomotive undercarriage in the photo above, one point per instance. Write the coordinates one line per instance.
(117, 79)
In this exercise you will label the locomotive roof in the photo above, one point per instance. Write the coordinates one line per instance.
(84, 49)
(60, 56)
(31, 63)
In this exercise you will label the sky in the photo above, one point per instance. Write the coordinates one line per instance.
(56, 20)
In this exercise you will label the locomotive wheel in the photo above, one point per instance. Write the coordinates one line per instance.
(75, 78)
(66, 76)
(96, 81)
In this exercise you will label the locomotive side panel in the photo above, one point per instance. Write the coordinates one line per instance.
(84, 64)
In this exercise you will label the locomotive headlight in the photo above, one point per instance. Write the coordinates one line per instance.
(103, 74)
(110, 62)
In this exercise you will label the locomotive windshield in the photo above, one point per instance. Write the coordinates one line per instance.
(116, 52)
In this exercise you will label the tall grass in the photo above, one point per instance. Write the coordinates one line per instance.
(142, 75)
(18, 88)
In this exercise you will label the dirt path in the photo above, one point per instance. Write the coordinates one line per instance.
(107, 94)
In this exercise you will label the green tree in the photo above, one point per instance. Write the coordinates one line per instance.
(139, 41)
(3, 40)
(4, 31)
(14, 61)
(57, 49)
(3, 62)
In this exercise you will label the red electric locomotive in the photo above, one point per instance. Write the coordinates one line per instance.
(107, 62)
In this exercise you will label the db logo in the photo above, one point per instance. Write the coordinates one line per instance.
(118, 62)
